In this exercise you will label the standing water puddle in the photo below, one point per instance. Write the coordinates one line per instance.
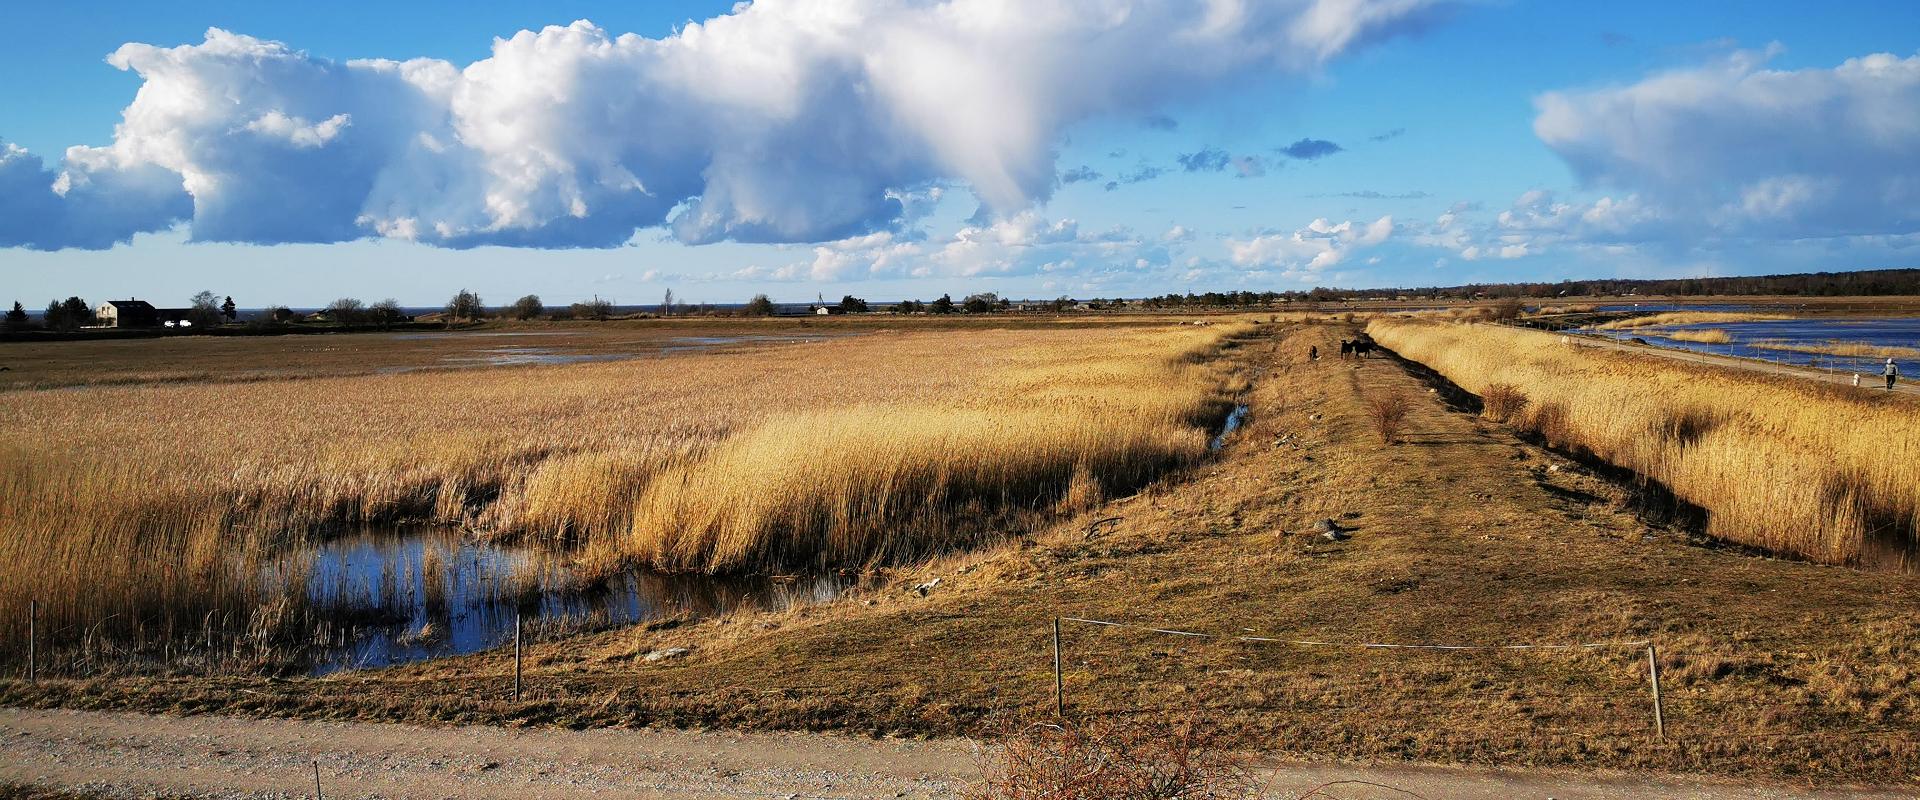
(397, 597)
(1235, 418)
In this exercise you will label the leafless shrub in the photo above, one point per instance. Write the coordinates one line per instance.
(1108, 759)
(1389, 415)
(1500, 402)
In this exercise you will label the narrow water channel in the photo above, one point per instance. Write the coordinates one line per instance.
(1235, 418)
(398, 596)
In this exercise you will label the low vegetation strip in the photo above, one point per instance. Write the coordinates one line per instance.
(1688, 318)
(1706, 336)
(1777, 463)
(161, 509)
(1836, 347)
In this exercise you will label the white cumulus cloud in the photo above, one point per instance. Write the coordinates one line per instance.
(1738, 148)
(1305, 253)
(783, 121)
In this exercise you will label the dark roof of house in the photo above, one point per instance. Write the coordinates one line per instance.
(131, 305)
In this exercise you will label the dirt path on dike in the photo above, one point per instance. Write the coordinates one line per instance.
(115, 755)
(1868, 382)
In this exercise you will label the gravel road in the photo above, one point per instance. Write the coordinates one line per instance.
(118, 755)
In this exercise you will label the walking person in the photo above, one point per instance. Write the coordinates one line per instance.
(1892, 373)
(1856, 380)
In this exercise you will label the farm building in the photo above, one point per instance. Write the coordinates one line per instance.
(138, 314)
(126, 314)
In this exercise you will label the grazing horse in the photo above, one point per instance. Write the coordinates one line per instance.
(1361, 347)
(1346, 348)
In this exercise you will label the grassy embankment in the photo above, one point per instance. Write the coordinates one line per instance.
(1463, 534)
(1778, 463)
(153, 512)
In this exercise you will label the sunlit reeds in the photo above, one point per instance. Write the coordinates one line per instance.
(1790, 465)
(1836, 347)
(146, 503)
(1704, 336)
(1689, 318)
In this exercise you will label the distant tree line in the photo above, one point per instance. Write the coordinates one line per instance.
(1864, 283)
(208, 310)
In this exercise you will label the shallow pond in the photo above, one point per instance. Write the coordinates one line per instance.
(1878, 332)
(398, 596)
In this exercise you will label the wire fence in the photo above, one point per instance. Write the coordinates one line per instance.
(1595, 701)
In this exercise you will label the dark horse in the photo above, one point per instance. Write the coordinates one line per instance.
(1346, 347)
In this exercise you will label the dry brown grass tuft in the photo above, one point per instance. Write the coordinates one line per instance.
(1111, 759)
(1388, 412)
(1501, 401)
(1779, 463)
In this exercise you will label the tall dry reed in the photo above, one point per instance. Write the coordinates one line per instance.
(166, 506)
(1688, 318)
(1793, 466)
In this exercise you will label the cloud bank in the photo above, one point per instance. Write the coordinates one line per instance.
(1733, 148)
(785, 121)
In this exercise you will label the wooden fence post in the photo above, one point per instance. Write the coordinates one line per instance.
(516, 654)
(33, 644)
(1059, 685)
(1659, 714)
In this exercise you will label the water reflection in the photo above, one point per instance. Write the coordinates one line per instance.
(1235, 419)
(391, 597)
(1811, 331)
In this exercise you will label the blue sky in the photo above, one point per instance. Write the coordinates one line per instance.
(896, 149)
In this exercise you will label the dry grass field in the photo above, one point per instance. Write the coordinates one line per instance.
(1787, 465)
(1463, 533)
(129, 506)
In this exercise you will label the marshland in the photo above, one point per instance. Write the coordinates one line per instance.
(160, 513)
(1076, 480)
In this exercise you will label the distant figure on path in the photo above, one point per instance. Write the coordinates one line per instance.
(1856, 380)
(1313, 353)
(1892, 372)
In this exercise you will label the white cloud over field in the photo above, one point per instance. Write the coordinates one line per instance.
(784, 121)
(1735, 148)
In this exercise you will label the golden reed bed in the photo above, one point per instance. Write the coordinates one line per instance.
(134, 503)
(1825, 472)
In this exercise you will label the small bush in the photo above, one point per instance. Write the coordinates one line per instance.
(1113, 760)
(1501, 402)
(1389, 415)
